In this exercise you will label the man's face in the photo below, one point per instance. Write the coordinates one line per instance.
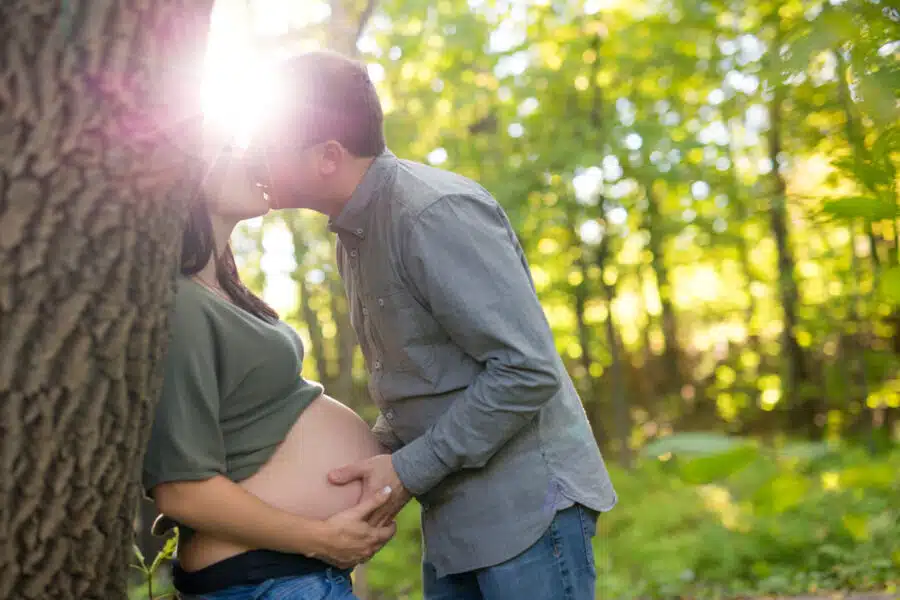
(291, 176)
(295, 171)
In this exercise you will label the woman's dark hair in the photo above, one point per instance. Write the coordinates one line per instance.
(198, 245)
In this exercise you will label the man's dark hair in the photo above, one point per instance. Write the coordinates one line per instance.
(331, 97)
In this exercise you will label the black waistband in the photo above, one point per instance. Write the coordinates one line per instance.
(247, 568)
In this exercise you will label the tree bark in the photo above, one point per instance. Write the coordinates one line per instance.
(93, 187)
(795, 362)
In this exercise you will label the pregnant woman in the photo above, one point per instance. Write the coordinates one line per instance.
(241, 444)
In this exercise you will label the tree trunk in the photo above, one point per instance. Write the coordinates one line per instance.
(619, 397)
(580, 292)
(661, 271)
(345, 28)
(345, 338)
(744, 214)
(800, 415)
(92, 198)
(316, 338)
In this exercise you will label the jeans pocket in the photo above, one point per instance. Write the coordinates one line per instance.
(588, 520)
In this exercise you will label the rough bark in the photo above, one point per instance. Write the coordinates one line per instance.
(92, 188)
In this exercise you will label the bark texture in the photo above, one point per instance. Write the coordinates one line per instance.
(93, 182)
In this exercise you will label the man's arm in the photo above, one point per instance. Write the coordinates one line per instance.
(462, 260)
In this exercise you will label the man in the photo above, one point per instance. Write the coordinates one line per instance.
(483, 425)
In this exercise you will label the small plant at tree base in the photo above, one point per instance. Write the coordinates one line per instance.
(149, 572)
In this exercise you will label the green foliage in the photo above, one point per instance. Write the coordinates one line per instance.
(788, 525)
(639, 177)
(154, 583)
(801, 518)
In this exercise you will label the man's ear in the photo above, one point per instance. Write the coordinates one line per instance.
(331, 156)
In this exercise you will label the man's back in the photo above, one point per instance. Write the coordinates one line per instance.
(487, 427)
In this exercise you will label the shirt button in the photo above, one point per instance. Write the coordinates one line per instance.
(381, 302)
(359, 232)
(389, 415)
(365, 311)
(353, 253)
(377, 365)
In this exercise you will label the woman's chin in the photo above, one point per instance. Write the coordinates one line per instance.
(273, 200)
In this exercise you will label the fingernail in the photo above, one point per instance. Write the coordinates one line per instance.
(386, 490)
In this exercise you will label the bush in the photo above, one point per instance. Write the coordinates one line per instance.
(720, 518)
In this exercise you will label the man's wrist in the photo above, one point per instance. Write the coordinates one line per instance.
(418, 467)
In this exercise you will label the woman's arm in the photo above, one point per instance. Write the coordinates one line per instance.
(224, 509)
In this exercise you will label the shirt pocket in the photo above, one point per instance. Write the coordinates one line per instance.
(399, 332)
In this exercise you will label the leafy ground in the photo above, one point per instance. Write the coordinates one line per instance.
(724, 518)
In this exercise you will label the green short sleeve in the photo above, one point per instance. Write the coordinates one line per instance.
(186, 441)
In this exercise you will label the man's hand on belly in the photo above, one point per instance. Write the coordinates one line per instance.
(376, 473)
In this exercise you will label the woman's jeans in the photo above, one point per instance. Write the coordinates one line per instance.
(559, 566)
(333, 584)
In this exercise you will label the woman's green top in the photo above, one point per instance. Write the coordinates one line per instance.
(231, 391)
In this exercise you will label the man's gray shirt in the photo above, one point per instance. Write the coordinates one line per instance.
(486, 427)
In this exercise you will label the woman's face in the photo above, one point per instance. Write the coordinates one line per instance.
(231, 192)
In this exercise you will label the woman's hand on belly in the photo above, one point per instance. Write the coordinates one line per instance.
(327, 435)
(352, 540)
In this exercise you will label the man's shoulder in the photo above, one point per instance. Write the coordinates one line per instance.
(419, 187)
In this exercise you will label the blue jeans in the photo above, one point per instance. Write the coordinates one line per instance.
(559, 566)
(333, 584)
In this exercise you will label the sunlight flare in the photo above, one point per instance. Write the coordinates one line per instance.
(238, 85)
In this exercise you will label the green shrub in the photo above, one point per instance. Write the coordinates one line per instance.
(722, 518)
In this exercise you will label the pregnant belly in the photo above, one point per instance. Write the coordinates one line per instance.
(327, 435)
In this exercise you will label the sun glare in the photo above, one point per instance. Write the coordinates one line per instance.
(237, 86)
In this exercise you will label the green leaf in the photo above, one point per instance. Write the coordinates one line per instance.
(693, 443)
(876, 475)
(857, 525)
(781, 493)
(805, 450)
(870, 208)
(707, 469)
(167, 552)
(839, 24)
(879, 97)
(139, 555)
(889, 285)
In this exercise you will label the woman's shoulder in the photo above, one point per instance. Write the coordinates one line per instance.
(192, 307)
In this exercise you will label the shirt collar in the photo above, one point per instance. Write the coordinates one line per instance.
(354, 216)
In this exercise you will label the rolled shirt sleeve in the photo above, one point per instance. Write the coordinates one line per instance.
(462, 258)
